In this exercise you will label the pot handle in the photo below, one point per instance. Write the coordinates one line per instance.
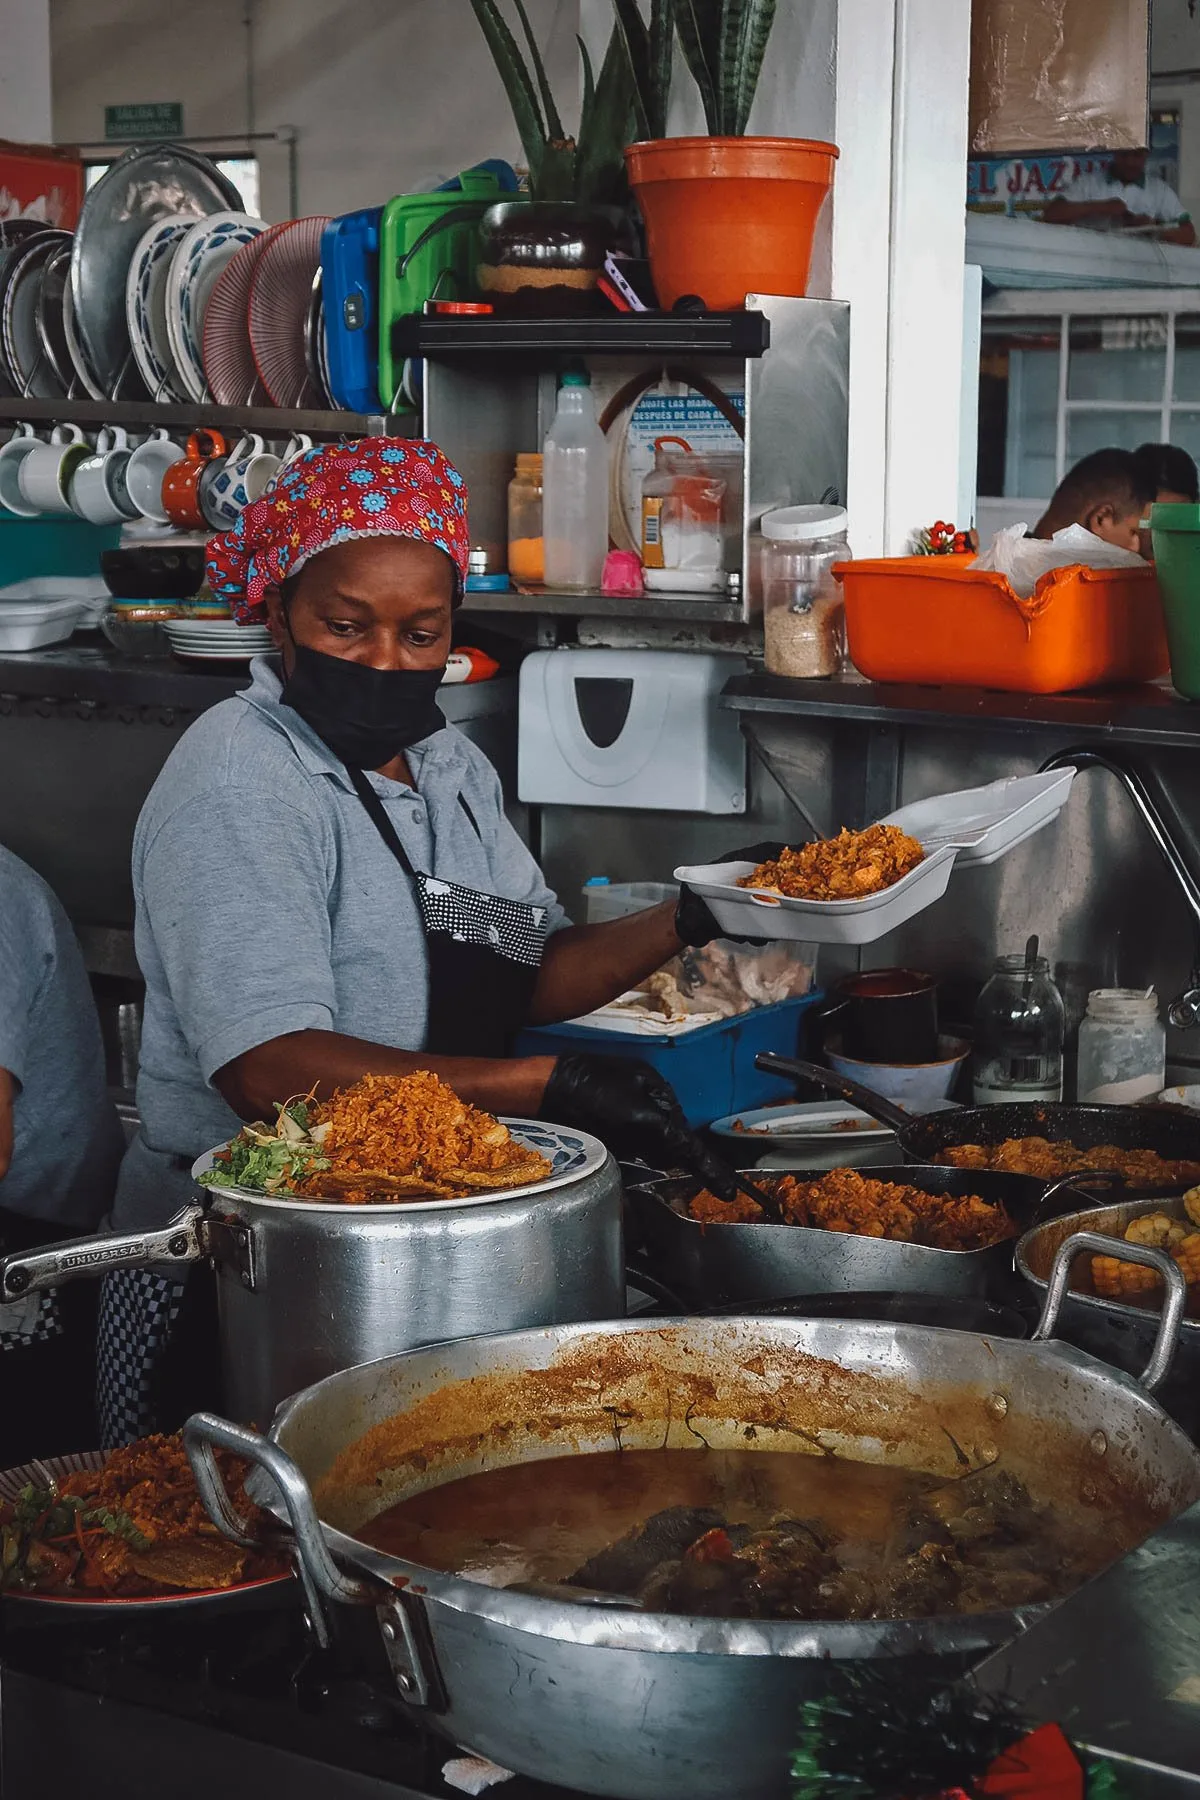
(863, 1097)
(34, 1271)
(320, 1575)
(1075, 1184)
(1167, 1340)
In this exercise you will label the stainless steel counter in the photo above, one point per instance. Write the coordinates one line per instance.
(1117, 1665)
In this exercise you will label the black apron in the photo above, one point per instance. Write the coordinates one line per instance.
(484, 952)
(158, 1334)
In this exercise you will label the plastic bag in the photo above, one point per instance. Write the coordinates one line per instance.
(1024, 560)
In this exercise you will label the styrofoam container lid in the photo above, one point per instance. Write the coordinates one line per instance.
(797, 524)
(39, 612)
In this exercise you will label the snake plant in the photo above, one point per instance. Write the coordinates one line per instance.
(723, 42)
(590, 165)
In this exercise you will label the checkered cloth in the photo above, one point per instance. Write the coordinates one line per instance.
(138, 1312)
(35, 1320)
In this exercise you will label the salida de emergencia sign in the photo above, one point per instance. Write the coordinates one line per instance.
(144, 119)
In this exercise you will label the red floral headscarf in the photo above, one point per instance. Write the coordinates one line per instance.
(371, 487)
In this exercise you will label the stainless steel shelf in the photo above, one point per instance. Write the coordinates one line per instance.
(268, 421)
(667, 608)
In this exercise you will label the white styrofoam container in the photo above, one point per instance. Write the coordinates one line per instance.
(985, 823)
(749, 912)
(632, 728)
(32, 624)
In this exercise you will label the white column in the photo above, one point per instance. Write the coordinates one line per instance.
(898, 243)
(25, 71)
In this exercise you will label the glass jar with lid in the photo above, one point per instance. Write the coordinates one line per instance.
(526, 546)
(1122, 1047)
(1019, 1023)
(802, 603)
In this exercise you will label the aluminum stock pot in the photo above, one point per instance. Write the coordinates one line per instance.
(306, 1288)
(611, 1699)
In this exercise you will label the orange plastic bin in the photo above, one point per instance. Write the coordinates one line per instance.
(935, 620)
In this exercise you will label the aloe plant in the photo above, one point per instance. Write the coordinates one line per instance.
(723, 42)
(589, 166)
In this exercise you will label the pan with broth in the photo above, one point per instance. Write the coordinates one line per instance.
(751, 1534)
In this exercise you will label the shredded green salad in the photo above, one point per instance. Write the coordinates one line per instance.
(271, 1160)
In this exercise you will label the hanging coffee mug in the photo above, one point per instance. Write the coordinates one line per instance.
(45, 473)
(181, 483)
(227, 488)
(296, 445)
(12, 455)
(97, 489)
(144, 473)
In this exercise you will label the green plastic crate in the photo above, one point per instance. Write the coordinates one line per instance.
(32, 547)
(428, 250)
(1175, 532)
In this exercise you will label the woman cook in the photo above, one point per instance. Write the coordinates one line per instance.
(326, 881)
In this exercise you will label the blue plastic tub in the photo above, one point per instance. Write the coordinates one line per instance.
(711, 1069)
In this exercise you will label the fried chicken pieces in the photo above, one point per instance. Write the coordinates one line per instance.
(845, 867)
(1039, 1156)
(846, 1201)
(391, 1135)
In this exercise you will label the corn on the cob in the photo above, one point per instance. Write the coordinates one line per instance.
(1191, 1205)
(1113, 1279)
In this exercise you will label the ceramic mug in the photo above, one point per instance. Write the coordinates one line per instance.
(44, 474)
(97, 490)
(296, 445)
(181, 483)
(227, 488)
(143, 474)
(12, 455)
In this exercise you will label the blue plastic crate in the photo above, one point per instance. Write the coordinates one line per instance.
(711, 1069)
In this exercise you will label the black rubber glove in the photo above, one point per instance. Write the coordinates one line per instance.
(693, 920)
(632, 1109)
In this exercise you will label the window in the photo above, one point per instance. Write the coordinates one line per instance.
(241, 170)
(1080, 371)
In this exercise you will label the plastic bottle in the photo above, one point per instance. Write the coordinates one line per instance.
(1122, 1047)
(575, 492)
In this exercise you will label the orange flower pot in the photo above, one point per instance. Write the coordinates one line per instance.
(727, 217)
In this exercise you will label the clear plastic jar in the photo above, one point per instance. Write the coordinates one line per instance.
(1122, 1047)
(803, 615)
(683, 520)
(1019, 1023)
(526, 546)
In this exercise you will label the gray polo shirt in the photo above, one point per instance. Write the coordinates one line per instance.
(267, 903)
(67, 1140)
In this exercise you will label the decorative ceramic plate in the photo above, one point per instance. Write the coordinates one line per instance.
(56, 279)
(146, 308)
(151, 181)
(57, 1468)
(571, 1155)
(195, 269)
(281, 291)
(27, 364)
(226, 353)
(83, 373)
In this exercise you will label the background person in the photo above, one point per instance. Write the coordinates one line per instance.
(1123, 197)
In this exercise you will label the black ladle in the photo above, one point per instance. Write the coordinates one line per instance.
(865, 1098)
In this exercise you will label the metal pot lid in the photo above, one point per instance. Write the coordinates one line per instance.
(572, 1155)
(26, 362)
(151, 182)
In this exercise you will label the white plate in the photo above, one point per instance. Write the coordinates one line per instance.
(817, 1123)
(749, 912)
(572, 1155)
(146, 308)
(195, 268)
(987, 822)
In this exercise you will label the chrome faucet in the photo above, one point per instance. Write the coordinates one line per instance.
(1183, 1012)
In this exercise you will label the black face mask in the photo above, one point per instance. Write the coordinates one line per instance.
(366, 716)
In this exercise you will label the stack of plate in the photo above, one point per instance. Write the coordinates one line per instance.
(216, 640)
(264, 328)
